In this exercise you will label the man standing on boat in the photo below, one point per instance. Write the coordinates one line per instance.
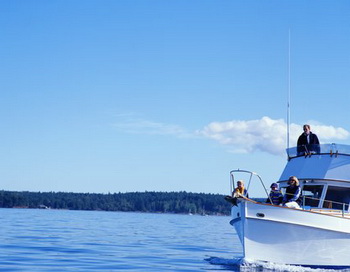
(308, 142)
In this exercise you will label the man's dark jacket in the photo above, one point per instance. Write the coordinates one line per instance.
(304, 146)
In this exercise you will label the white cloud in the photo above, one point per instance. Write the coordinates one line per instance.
(330, 132)
(266, 134)
(130, 124)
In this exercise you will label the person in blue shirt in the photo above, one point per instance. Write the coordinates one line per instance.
(275, 196)
(292, 197)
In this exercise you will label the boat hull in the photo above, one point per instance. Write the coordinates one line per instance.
(289, 236)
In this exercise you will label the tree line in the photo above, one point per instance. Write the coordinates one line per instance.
(162, 202)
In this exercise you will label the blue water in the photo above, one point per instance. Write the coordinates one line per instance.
(60, 240)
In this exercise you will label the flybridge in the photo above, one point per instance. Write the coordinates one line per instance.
(332, 162)
(322, 149)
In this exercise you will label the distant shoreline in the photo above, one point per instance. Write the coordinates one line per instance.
(148, 202)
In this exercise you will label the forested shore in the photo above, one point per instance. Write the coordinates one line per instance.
(156, 202)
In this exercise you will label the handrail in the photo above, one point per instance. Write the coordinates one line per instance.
(331, 149)
(343, 210)
(232, 180)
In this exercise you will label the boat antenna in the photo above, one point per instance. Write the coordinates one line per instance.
(288, 103)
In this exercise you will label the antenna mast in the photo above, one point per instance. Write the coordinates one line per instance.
(288, 103)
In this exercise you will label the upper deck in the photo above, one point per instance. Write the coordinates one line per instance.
(328, 162)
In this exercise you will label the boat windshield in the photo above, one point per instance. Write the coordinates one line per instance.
(312, 195)
(337, 198)
(318, 149)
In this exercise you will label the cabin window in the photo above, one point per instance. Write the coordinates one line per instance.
(337, 198)
(312, 195)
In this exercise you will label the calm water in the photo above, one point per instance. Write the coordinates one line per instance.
(57, 240)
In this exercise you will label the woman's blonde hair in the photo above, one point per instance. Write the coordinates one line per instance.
(240, 190)
(295, 179)
(240, 181)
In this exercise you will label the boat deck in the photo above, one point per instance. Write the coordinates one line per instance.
(338, 213)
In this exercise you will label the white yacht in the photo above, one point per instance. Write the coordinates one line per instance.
(318, 234)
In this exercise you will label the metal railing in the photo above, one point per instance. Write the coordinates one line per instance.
(330, 204)
(251, 176)
(308, 150)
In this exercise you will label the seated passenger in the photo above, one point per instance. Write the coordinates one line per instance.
(240, 190)
(292, 197)
(275, 196)
(308, 142)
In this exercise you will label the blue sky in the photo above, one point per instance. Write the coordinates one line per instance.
(124, 96)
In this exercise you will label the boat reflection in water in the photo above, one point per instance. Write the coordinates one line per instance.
(318, 234)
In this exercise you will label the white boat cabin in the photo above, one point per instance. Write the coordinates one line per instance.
(323, 175)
